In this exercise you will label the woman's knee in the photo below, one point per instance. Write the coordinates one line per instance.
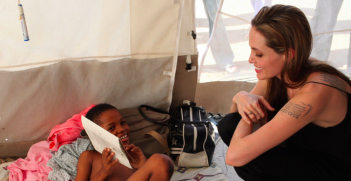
(250, 171)
(264, 167)
(244, 172)
(230, 121)
(227, 126)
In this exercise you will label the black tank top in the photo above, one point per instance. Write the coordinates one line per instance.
(332, 144)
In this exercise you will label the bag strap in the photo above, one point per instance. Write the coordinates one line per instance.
(161, 140)
(171, 115)
(152, 109)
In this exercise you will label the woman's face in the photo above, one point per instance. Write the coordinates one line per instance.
(267, 62)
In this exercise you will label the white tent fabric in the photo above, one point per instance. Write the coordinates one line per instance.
(61, 30)
(86, 52)
(330, 23)
(187, 44)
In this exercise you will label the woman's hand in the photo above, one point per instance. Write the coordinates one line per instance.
(107, 162)
(251, 107)
(135, 156)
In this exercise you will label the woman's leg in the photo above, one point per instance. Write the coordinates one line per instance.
(227, 126)
(278, 163)
(158, 167)
(287, 164)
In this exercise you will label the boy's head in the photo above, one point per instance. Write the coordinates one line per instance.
(109, 118)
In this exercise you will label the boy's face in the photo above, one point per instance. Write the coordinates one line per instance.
(113, 122)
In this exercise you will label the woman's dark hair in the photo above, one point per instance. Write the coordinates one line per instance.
(285, 27)
(94, 113)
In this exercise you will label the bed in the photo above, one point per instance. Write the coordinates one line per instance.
(217, 171)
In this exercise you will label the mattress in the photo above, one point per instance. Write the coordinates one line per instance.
(217, 171)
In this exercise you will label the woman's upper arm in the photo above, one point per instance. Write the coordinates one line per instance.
(84, 166)
(297, 113)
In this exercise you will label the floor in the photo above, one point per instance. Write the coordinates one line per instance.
(228, 171)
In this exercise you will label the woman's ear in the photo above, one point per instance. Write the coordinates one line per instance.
(291, 54)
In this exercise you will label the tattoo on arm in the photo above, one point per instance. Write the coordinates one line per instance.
(334, 81)
(296, 109)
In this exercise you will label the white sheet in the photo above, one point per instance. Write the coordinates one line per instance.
(217, 171)
(4, 173)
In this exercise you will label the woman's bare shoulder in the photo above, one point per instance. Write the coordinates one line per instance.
(328, 80)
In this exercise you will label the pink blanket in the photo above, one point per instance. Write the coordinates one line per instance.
(34, 166)
(67, 132)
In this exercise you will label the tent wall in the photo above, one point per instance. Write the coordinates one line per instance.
(185, 82)
(216, 97)
(35, 100)
(76, 85)
(45, 81)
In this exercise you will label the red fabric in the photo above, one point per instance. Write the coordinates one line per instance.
(67, 132)
(33, 167)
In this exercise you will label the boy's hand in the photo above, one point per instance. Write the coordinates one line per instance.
(136, 156)
(107, 162)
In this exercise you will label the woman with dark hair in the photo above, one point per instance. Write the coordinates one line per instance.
(299, 101)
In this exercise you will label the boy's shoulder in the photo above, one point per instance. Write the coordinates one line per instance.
(90, 154)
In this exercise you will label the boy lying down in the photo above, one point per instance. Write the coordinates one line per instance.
(95, 166)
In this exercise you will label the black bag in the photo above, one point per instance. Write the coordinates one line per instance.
(192, 136)
(215, 118)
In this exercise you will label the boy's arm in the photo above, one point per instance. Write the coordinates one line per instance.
(84, 166)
